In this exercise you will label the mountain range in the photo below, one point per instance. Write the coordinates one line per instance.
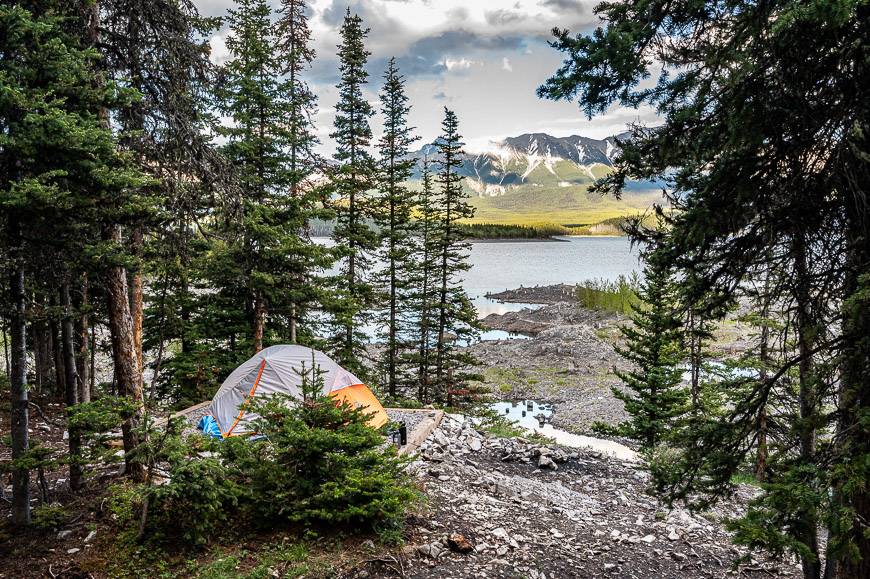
(536, 159)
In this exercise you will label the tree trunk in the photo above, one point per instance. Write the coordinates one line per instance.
(806, 332)
(259, 321)
(764, 358)
(72, 384)
(853, 440)
(6, 367)
(42, 349)
(82, 357)
(57, 353)
(136, 300)
(127, 375)
(20, 417)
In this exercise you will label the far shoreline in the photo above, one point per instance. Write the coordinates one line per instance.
(556, 239)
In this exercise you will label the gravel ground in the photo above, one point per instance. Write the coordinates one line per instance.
(493, 512)
(569, 364)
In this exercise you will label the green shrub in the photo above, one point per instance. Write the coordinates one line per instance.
(49, 517)
(311, 461)
(618, 297)
(316, 461)
(197, 485)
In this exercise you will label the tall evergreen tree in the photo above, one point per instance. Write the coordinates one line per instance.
(793, 165)
(305, 197)
(654, 394)
(456, 318)
(424, 295)
(352, 181)
(395, 219)
(266, 260)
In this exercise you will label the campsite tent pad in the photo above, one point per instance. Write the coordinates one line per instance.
(280, 370)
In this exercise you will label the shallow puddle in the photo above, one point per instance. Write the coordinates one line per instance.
(535, 416)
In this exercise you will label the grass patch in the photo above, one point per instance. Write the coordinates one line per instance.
(618, 296)
(744, 478)
(284, 560)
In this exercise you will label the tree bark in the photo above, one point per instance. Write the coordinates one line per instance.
(806, 333)
(42, 349)
(56, 352)
(764, 358)
(259, 321)
(72, 384)
(853, 436)
(127, 375)
(20, 417)
(136, 299)
(82, 357)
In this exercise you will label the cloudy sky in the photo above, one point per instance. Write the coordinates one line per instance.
(482, 58)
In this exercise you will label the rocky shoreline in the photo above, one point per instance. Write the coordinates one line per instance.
(568, 361)
(569, 358)
(548, 294)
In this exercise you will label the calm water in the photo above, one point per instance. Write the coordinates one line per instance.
(498, 266)
(535, 416)
(501, 265)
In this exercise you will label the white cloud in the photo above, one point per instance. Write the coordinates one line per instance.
(453, 64)
(219, 51)
(456, 53)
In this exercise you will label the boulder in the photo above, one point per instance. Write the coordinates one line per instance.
(459, 543)
(546, 462)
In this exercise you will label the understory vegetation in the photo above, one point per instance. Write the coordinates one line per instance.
(312, 465)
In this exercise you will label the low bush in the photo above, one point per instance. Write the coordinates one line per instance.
(311, 462)
(315, 461)
(196, 483)
(619, 296)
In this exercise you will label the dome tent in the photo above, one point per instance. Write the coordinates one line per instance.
(280, 370)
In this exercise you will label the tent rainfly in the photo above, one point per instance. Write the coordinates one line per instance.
(280, 370)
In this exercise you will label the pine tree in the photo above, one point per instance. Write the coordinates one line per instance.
(654, 395)
(266, 260)
(424, 295)
(455, 317)
(395, 219)
(306, 198)
(352, 181)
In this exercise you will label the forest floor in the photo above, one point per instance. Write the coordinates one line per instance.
(494, 507)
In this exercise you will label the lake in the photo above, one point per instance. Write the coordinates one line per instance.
(501, 265)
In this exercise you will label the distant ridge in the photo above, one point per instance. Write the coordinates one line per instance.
(535, 158)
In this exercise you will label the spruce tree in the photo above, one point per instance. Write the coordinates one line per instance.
(352, 181)
(395, 220)
(306, 198)
(784, 179)
(654, 394)
(265, 260)
(455, 317)
(423, 297)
